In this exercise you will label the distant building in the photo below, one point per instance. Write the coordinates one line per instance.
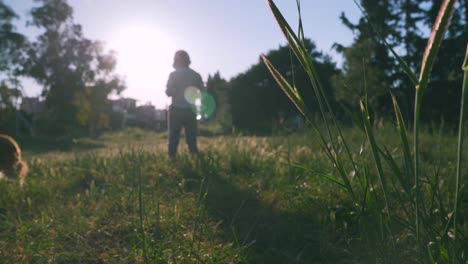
(32, 105)
(28, 114)
(123, 104)
(161, 115)
(160, 119)
(145, 116)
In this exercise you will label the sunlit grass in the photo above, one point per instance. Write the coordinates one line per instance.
(384, 198)
(328, 194)
(240, 201)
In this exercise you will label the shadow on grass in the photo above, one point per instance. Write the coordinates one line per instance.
(41, 145)
(264, 233)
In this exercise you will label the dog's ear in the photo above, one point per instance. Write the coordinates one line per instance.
(21, 170)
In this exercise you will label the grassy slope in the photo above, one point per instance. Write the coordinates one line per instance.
(117, 199)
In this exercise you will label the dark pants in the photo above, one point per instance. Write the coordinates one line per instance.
(178, 118)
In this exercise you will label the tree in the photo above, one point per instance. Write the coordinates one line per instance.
(8, 97)
(405, 25)
(11, 44)
(219, 89)
(369, 70)
(11, 41)
(214, 87)
(362, 78)
(444, 91)
(77, 76)
(256, 100)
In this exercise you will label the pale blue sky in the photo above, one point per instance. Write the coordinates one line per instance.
(220, 35)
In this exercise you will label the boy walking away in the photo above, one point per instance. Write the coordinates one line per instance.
(181, 86)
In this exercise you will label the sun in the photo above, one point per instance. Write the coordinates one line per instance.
(144, 57)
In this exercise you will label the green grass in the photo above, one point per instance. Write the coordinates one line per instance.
(372, 193)
(122, 201)
(387, 202)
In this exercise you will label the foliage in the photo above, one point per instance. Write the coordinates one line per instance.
(10, 41)
(256, 106)
(11, 44)
(8, 98)
(219, 89)
(383, 195)
(446, 81)
(402, 25)
(76, 73)
(350, 86)
(368, 68)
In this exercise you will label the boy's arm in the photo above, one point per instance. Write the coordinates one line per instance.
(170, 86)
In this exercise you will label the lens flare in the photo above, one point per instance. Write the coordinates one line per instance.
(191, 94)
(208, 105)
(203, 104)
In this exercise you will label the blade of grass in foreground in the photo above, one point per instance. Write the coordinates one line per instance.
(318, 88)
(404, 140)
(297, 46)
(291, 92)
(464, 99)
(324, 175)
(375, 153)
(437, 35)
(430, 53)
(302, 54)
(296, 98)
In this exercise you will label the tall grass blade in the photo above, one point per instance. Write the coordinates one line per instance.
(438, 31)
(300, 30)
(432, 48)
(301, 35)
(396, 170)
(375, 153)
(301, 52)
(296, 98)
(291, 92)
(298, 47)
(403, 137)
(437, 35)
(403, 182)
(326, 176)
(320, 94)
(464, 100)
(141, 210)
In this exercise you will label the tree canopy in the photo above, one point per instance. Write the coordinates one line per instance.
(258, 103)
(11, 46)
(370, 68)
(76, 74)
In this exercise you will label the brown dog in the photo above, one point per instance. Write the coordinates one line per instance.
(11, 164)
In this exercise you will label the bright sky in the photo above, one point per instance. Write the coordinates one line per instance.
(220, 35)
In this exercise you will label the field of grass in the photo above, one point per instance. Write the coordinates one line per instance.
(118, 199)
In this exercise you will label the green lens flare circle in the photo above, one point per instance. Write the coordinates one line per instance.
(191, 94)
(208, 105)
(203, 104)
